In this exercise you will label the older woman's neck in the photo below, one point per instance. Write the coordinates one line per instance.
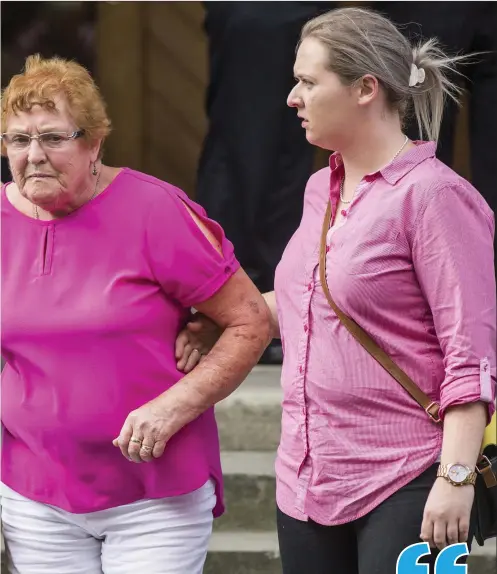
(374, 147)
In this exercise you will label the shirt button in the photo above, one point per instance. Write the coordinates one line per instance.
(306, 328)
(344, 213)
(309, 287)
(328, 247)
(301, 370)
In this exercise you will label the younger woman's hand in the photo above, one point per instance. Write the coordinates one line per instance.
(447, 514)
(195, 341)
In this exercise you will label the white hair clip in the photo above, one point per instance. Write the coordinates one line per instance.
(418, 76)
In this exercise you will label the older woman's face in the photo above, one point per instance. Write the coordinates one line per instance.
(327, 107)
(51, 178)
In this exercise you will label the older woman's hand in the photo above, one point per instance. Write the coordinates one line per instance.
(195, 341)
(147, 429)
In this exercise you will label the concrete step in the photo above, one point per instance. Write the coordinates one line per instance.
(483, 559)
(249, 491)
(250, 418)
(243, 553)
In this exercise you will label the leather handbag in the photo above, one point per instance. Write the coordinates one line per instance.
(486, 481)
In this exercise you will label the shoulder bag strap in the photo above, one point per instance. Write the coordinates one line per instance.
(431, 407)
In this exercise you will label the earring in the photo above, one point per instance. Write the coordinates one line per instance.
(94, 170)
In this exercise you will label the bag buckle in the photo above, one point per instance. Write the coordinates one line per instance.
(484, 468)
(433, 415)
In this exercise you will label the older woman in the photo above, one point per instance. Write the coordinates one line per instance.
(100, 267)
(362, 471)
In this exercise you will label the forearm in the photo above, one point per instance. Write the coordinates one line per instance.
(270, 299)
(219, 373)
(464, 426)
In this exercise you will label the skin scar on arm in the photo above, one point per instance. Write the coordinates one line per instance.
(205, 230)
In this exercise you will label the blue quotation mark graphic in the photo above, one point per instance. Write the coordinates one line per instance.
(407, 562)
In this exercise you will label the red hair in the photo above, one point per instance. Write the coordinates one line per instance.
(44, 80)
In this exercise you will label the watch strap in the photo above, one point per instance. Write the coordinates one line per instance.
(443, 472)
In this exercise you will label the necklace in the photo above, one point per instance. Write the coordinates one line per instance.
(342, 181)
(35, 207)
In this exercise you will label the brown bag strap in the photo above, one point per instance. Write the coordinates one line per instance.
(432, 408)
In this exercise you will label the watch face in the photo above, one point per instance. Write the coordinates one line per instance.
(458, 473)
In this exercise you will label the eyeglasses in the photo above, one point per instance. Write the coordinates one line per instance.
(48, 140)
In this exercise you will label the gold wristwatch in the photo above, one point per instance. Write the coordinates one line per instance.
(457, 474)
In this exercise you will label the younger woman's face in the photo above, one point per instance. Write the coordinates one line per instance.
(329, 109)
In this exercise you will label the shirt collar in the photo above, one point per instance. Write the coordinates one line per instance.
(400, 166)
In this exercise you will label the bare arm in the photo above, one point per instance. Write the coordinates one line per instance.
(240, 311)
(447, 512)
(198, 338)
(464, 426)
(270, 298)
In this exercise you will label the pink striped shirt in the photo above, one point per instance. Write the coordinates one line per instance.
(412, 263)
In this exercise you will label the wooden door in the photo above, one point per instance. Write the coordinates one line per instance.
(153, 73)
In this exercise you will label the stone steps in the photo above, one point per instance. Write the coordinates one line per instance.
(250, 487)
(483, 559)
(250, 418)
(243, 553)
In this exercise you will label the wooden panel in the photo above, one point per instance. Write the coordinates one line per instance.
(461, 144)
(173, 150)
(175, 57)
(178, 26)
(181, 94)
(120, 77)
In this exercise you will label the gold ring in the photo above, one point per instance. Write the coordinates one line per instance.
(147, 448)
(135, 440)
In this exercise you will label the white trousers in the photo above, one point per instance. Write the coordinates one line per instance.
(165, 536)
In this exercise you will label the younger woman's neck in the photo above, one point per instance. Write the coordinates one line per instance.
(373, 150)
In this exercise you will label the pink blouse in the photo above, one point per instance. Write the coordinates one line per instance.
(412, 263)
(91, 307)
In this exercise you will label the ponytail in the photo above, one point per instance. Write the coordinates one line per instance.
(431, 85)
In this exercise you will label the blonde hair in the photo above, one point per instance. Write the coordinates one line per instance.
(361, 41)
(43, 80)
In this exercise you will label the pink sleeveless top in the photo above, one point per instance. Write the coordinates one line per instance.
(91, 306)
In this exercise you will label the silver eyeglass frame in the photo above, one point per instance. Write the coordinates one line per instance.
(70, 136)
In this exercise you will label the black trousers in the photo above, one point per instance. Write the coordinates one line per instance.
(370, 545)
(255, 161)
(462, 27)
